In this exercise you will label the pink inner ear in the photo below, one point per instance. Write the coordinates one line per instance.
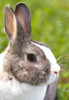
(10, 23)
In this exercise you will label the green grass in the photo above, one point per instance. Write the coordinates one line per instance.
(50, 24)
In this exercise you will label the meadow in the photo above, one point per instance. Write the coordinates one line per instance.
(50, 24)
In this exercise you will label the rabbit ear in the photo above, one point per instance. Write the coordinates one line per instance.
(23, 14)
(10, 21)
(12, 25)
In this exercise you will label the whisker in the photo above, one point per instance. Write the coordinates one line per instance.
(65, 56)
(63, 62)
(60, 57)
(60, 80)
(62, 70)
(36, 80)
(63, 65)
(60, 62)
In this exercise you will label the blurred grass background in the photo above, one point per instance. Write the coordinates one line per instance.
(50, 24)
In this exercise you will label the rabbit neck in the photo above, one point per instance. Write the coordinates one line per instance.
(33, 92)
(13, 90)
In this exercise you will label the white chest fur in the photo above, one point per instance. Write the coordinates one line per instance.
(13, 90)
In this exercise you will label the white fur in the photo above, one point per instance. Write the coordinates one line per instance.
(53, 62)
(13, 90)
(23, 91)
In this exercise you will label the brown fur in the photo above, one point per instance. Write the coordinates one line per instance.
(23, 70)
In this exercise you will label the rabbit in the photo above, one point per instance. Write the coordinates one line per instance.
(28, 69)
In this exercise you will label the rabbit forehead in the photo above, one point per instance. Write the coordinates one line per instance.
(47, 52)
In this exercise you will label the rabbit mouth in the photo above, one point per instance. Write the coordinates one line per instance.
(44, 79)
(41, 78)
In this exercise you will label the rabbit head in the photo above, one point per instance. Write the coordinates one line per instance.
(27, 60)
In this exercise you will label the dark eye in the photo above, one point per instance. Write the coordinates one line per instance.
(31, 57)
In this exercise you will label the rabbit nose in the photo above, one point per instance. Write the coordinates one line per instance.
(56, 69)
(56, 72)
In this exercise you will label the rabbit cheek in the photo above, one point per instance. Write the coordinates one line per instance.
(43, 76)
(38, 76)
(24, 73)
(28, 75)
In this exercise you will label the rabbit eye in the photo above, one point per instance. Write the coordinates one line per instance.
(31, 57)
